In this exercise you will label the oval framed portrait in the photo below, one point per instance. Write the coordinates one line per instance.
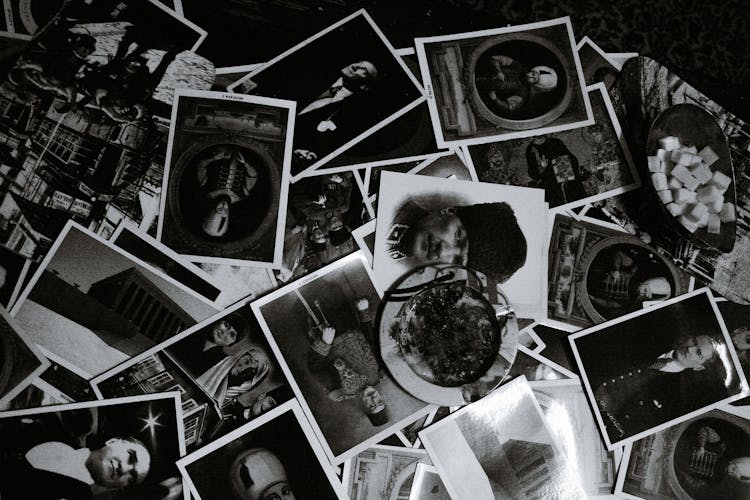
(498, 69)
(224, 195)
(617, 275)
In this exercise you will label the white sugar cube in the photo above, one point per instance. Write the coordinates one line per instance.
(676, 209)
(703, 222)
(665, 196)
(691, 183)
(702, 173)
(681, 157)
(721, 181)
(662, 154)
(691, 149)
(684, 196)
(727, 213)
(715, 206)
(695, 160)
(707, 193)
(669, 143)
(655, 164)
(714, 224)
(709, 155)
(674, 183)
(660, 181)
(688, 224)
(680, 172)
(697, 212)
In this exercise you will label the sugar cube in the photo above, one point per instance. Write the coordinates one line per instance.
(685, 196)
(675, 208)
(709, 155)
(688, 224)
(669, 143)
(702, 173)
(691, 149)
(691, 183)
(665, 196)
(674, 183)
(680, 172)
(714, 224)
(681, 157)
(715, 206)
(727, 213)
(707, 193)
(721, 181)
(662, 154)
(697, 212)
(660, 181)
(703, 222)
(655, 164)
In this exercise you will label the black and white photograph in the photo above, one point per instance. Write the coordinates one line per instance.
(223, 367)
(382, 472)
(21, 362)
(323, 330)
(95, 305)
(114, 449)
(428, 485)
(566, 409)
(498, 231)
(322, 212)
(658, 366)
(148, 249)
(597, 273)
(13, 270)
(501, 447)
(597, 66)
(226, 178)
(737, 319)
(574, 167)
(504, 83)
(537, 367)
(275, 457)
(704, 458)
(354, 84)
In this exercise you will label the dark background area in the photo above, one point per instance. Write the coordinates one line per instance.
(704, 42)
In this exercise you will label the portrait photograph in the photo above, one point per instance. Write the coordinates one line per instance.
(501, 447)
(274, 457)
(658, 366)
(142, 245)
(504, 83)
(226, 178)
(574, 167)
(597, 273)
(223, 367)
(382, 472)
(353, 85)
(322, 212)
(115, 449)
(21, 362)
(498, 231)
(323, 329)
(95, 305)
(428, 485)
(703, 458)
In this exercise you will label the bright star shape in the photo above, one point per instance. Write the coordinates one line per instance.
(152, 422)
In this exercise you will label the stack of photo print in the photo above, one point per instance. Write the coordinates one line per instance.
(319, 266)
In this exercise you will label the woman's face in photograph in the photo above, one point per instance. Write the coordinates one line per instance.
(224, 334)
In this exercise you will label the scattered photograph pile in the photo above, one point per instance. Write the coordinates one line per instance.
(348, 261)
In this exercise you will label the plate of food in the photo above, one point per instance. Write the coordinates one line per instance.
(691, 173)
(444, 337)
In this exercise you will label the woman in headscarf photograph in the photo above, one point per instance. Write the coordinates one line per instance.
(236, 374)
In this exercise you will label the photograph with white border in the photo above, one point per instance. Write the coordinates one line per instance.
(275, 456)
(353, 84)
(597, 66)
(501, 447)
(226, 176)
(119, 448)
(510, 82)
(499, 231)
(659, 366)
(428, 485)
(95, 305)
(568, 415)
(382, 472)
(536, 367)
(574, 167)
(323, 330)
(21, 362)
(704, 458)
(737, 318)
(223, 367)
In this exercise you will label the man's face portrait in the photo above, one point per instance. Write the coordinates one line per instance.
(440, 237)
(224, 334)
(694, 352)
(119, 463)
(360, 74)
(372, 400)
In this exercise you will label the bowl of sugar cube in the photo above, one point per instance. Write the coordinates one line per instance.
(691, 173)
